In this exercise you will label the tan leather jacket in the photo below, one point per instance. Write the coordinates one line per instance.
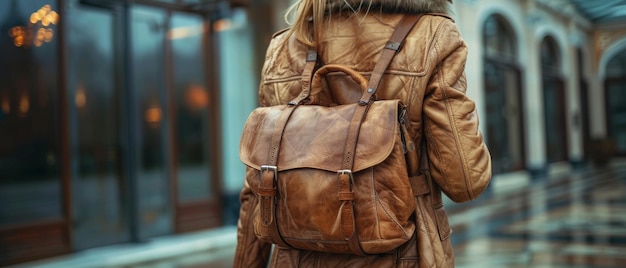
(428, 76)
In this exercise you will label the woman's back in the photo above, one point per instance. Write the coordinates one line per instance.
(427, 75)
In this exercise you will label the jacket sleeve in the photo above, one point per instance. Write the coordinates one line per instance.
(460, 162)
(250, 252)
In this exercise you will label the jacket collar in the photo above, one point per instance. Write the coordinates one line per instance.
(392, 6)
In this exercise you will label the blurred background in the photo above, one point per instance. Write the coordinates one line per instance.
(120, 123)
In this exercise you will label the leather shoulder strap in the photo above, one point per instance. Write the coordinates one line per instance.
(393, 46)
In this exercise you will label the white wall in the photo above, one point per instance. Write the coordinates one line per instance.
(531, 22)
(238, 96)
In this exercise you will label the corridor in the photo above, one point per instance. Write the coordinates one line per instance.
(575, 219)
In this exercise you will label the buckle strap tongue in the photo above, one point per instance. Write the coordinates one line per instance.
(348, 224)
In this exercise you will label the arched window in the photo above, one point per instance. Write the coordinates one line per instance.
(505, 128)
(615, 85)
(583, 116)
(553, 101)
(499, 39)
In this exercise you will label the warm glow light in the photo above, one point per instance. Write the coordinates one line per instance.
(45, 21)
(222, 25)
(6, 106)
(36, 34)
(184, 32)
(19, 41)
(153, 115)
(41, 33)
(197, 97)
(48, 35)
(19, 35)
(24, 104)
(34, 18)
(54, 17)
(80, 99)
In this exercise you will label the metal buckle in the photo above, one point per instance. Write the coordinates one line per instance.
(346, 171)
(393, 46)
(270, 168)
(311, 56)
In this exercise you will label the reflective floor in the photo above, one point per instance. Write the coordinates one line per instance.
(576, 219)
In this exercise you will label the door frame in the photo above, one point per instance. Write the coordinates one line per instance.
(607, 111)
(560, 98)
(189, 216)
(521, 103)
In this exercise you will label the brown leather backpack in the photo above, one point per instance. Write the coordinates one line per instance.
(333, 178)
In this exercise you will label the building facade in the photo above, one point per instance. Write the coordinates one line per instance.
(110, 122)
(120, 120)
(538, 69)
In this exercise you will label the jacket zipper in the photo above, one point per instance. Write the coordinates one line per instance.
(407, 142)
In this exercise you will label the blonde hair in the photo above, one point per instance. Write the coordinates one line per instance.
(308, 20)
(307, 17)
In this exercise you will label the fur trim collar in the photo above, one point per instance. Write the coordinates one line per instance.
(392, 6)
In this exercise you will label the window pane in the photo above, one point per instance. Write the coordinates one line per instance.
(616, 97)
(504, 117)
(550, 56)
(617, 66)
(30, 188)
(554, 113)
(149, 81)
(192, 108)
(616, 91)
(98, 183)
(499, 39)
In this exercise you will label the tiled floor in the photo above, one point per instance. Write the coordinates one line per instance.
(576, 219)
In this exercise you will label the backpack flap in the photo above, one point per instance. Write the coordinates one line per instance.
(315, 136)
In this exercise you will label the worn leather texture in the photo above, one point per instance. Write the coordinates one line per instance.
(309, 210)
(427, 75)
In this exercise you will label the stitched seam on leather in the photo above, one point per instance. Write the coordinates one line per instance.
(276, 96)
(391, 218)
(422, 215)
(249, 222)
(433, 145)
(434, 44)
(424, 65)
(433, 48)
(281, 79)
(396, 72)
(274, 46)
(373, 196)
(456, 135)
(323, 241)
(462, 156)
(412, 96)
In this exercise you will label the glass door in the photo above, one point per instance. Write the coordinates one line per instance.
(33, 167)
(616, 113)
(505, 132)
(503, 95)
(142, 136)
(100, 203)
(615, 86)
(554, 114)
(149, 76)
(554, 106)
(193, 127)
